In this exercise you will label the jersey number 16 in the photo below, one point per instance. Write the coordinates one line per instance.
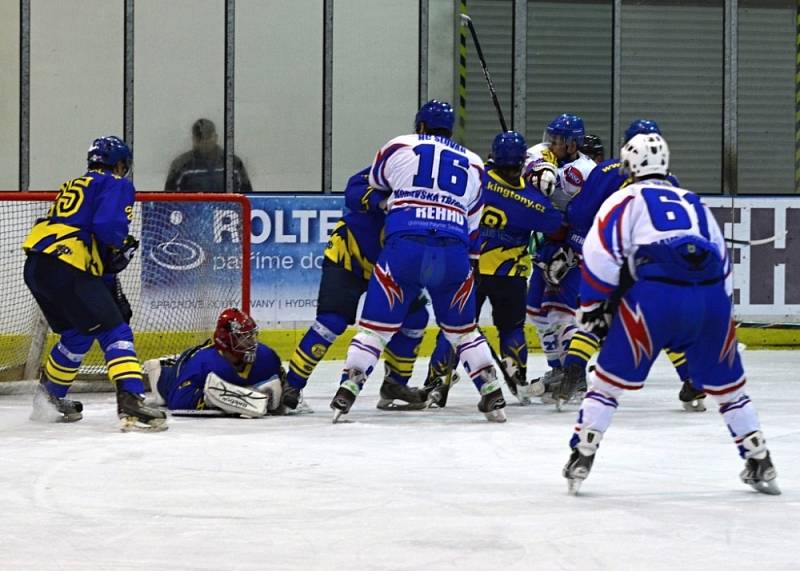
(453, 170)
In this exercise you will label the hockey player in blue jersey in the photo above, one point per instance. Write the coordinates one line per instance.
(604, 180)
(232, 372)
(73, 256)
(352, 250)
(433, 190)
(513, 208)
(676, 294)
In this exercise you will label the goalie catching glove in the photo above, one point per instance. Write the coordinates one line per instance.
(119, 258)
(596, 318)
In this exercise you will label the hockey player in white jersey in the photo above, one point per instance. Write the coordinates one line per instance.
(559, 169)
(657, 274)
(433, 191)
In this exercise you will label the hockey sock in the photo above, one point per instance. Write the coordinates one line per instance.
(597, 409)
(401, 352)
(364, 351)
(443, 359)
(739, 415)
(313, 347)
(582, 346)
(680, 363)
(473, 352)
(64, 360)
(124, 369)
(514, 350)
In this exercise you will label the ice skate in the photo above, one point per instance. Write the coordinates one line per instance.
(517, 382)
(692, 398)
(412, 398)
(47, 408)
(346, 395)
(543, 386)
(571, 387)
(438, 389)
(291, 396)
(580, 461)
(135, 416)
(759, 473)
(492, 402)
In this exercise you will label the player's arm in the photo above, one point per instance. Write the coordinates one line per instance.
(475, 212)
(382, 158)
(113, 213)
(359, 196)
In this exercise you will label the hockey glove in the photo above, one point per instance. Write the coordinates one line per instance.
(124, 306)
(543, 177)
(596, 318)
(121, 257)
(559, 265)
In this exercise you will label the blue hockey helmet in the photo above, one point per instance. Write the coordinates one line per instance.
(509, 149)
(436, 115)
(568, 126)
(641, 127)
(109, 151)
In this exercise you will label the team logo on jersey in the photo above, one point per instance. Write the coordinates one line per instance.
(729, 346)
(636, 330)
(388, 285)
(574, 176)
(461, 297)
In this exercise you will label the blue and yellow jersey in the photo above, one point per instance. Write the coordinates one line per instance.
(357, 238)
(194, 365)
(90, 215)
(604, 180)
(510, 213)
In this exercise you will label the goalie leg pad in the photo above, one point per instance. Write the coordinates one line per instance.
(234, 399)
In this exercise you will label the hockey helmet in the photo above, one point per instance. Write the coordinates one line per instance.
(645, 154)
(592, 146)
(436, 115)
(109, 151)
(640, 127)
(567, 126)
(236, 333)
(509, 149)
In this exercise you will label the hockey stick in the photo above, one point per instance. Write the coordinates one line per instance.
(758, 242)
(468, 21)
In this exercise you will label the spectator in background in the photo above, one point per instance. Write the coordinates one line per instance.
(203, 168)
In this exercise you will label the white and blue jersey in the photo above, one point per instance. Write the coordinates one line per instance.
(435, 186)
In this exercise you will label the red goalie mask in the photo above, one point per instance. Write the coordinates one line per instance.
(236, 333)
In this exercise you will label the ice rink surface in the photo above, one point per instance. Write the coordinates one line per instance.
(440, 489)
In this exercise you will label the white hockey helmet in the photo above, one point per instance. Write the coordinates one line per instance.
(645, 154)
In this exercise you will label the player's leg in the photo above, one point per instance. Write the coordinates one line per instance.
(398, 360)
(637, 333)
(451, 285)
(715, 365)
(48, 280)
(507, 295)
(441, 371)
(390, 293)
(689, 395)
(561, 304)
(337, 304)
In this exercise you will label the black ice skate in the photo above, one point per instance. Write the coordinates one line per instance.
(492, 402)
(346, 395)
(438, 388)
(692, 398)
(291, 397)
(412, 398)
(759, 473)
(517, 382)
(543, 386)
(135, 416)
(571, 387)
(47, 408)
(581, 459)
